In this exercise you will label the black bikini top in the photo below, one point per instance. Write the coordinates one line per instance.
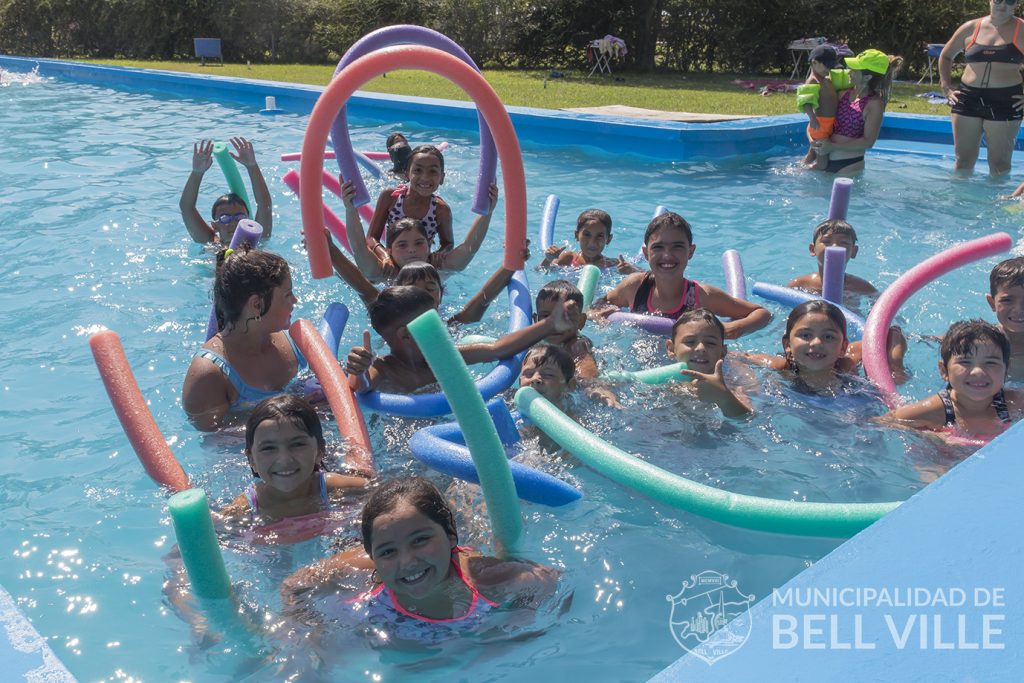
(1010, 53)
(998, 403)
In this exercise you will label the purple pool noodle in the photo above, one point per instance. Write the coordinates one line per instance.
(840, 201)
(651, 323)
(834, 275)
(417, 35)
(246, 231)
(735, 280)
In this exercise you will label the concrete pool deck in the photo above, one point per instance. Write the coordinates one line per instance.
(958, 532)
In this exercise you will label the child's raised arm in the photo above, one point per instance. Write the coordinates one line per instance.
(445, 235)
(350, 273)
(368, 264)
(246, 156)
(459, 257)
(746, 317)
(560, 320)
(202, 159)
(380, 218)
(478, 305)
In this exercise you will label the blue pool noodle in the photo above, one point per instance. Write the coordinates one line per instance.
(443, 448)
(547, 221)
(795, 297)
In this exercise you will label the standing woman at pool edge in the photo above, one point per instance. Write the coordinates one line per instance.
(860, 110)
(991, 95)
(251, 357)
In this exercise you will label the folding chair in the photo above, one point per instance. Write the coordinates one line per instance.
(933, 51)
(598, 51)
(207, 48)
(799, 48)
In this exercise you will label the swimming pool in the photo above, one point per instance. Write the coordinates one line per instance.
(95, 239)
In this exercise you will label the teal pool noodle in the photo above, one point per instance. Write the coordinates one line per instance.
(666, 373)
(833, 520)
(190, 513)
(229, 167)
(481, 435)
(589, 275)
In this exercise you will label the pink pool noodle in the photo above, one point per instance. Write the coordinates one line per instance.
(337, 93)
(833, 276)
(130, 406)
(359, 454)
(876, 329)
(334, 224)
(840, 201)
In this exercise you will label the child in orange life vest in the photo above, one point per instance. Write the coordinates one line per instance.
(664, 291)
(593, 233)
(285, 446)
(817, 98)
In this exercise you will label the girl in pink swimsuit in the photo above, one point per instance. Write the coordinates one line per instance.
(426, 587)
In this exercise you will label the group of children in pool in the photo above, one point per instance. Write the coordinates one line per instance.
(409, 537)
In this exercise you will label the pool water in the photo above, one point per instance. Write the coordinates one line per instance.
(91, 181)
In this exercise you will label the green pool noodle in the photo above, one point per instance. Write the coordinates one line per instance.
(481, 436)
(666, 373)
(229, 167)
(589, 275)
(190, 513)
(834, 520)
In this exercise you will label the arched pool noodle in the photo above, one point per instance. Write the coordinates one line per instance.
(735, 280)
(833, 277)
(443, 64)
(547, 221)
(478, 429)
(652, 323)
(839, 204)
(332, 184)
(197, 541)
(403, 34)
(589, 277)
(130, 406)
(660, 375)
(229, 167)
(795, 297)
(834, 520)
(351, 425)
(331, 220)
(443, 448)
(246, 231)
(498, 380)
(876, 331)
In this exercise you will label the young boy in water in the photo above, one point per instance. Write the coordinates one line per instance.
(593, 233)
(698, 339)
(833, 233)
(1006, 298)
(405, 369)
(228, 209)
(664, 291)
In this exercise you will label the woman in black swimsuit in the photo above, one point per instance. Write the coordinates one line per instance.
(990, 98)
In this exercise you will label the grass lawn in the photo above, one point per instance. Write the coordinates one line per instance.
(698, 93)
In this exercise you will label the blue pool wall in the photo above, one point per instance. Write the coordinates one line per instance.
(961, 529)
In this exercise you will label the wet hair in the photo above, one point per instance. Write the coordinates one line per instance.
(816, 306)
(417, 492)
(241, 274)
(289, 408)
(698, 314)
(1006, 274)
(552, 352)
(398, 306)
(412, 273)
(834, 226)
(230, 198)
(402, 225)
(428, 149)
(560, 289)
(881, 84)
(399, 152)
(668, 220)
(598, 215)
(963, 336)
